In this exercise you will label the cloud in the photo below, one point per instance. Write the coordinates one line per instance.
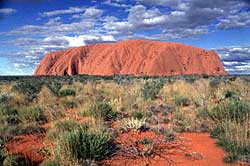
(234, 53)
(137, 19)
(236, 59)
(33, 50)
(70, 10)
(53, 27)
(141, 18)
(81, 40)
(237, 20)
(116, 3)
(228, 13)
(7, 11)
(91, 13)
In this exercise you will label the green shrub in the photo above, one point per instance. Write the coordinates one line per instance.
(232, 128)
(151, 89)
(103, 110)
(181, 100)
(54, 87)
(32, 114)
(85, 144)
(29, 87)
(231, 109)
(67, 92)
(235, 138)
(9, 115)
(230, 94)
(137, 114)
(15, 160)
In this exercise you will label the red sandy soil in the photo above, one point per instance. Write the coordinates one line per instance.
(28, 146)
(195, 149)
(137, 57)
(190, 149)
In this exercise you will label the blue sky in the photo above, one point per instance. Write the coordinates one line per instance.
(31, 28)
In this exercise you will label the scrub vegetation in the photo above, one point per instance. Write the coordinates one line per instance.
(90, 120)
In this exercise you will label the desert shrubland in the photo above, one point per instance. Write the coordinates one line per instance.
(82, 116)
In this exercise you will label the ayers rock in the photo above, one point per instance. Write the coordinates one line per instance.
(137, 57)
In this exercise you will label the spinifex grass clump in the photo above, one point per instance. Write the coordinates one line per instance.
(232, 128)
(103, 110)
(84, 144)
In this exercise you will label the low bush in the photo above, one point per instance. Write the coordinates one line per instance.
(181, 101)
(232, 128)
(32, 114)
(151, 89)
(84, 144)
(146, 149)
(29, 87)
(230, 94)
(230, 109)
(54, 87)
(67, 92)
(9, 115)
(137, 114)
(103, 110)
(235, 139)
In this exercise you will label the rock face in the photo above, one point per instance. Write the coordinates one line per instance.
(137, 57)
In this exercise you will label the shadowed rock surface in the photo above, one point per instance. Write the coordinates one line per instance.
(137, 57)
